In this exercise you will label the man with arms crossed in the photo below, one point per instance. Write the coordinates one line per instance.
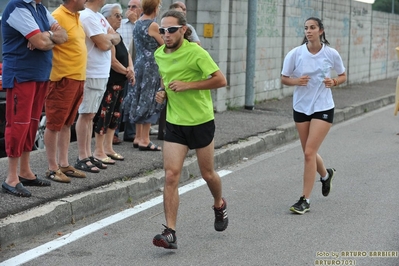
(100, 37)
(66, 91)
(189, 118)
(29, 35)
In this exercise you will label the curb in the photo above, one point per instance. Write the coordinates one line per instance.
(123, 194)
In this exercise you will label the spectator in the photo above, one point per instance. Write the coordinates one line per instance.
(175, 6)
(189, 119)
(65, 92)
(100, 38)
(29, 35)
(108, 115)
(133, 12)
(140, 106)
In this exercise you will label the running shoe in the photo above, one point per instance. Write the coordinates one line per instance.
(327, 185)
(167, 239)
(221, 219)
(301, 206)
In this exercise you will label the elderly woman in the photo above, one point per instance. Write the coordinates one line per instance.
(108, 115)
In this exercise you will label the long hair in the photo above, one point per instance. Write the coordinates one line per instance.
(321, 26)
(181, 20)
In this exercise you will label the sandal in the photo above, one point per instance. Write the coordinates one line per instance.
(57, 176)
(19, 190)
(82, 165)
(116, 156)
(37, 182)
(106, 160)
(72, 172)
(148, 147)
(97, 163)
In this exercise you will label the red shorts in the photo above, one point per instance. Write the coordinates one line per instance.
(24, 106)
(62, 102)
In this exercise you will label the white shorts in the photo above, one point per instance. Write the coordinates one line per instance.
(93, 94)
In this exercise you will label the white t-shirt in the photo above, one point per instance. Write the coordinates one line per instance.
(194, 35)
(314, 97)
(98, 61)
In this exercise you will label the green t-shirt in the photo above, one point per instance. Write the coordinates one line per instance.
(188, 63)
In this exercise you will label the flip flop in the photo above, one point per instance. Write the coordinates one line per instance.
(148, 147)
(116, 156)
(106, 160)
(37, 182)
(19, 190)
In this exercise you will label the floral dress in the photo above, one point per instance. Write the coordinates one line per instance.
(108, 115)
(139, 104)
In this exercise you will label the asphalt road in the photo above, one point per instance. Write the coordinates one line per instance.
(356, 221)
(232, 126)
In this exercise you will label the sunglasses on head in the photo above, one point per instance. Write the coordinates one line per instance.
(172, 29)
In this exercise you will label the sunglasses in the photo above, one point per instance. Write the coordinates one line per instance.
(172, 29)
(117, 15)
(132, 6)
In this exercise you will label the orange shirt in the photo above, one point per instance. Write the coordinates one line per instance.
(69, 58)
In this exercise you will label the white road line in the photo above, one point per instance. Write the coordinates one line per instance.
(91, 228)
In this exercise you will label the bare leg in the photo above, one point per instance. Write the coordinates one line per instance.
(89, 134)
(63, 145)
(12, 177)
(24, 166)
(51, 140)
(321, 169)
(109, 136)
(206, 164)
(173, 155)
(139, 134)
(145, 137)
(311, 135)
(99, 146)
(84, 127)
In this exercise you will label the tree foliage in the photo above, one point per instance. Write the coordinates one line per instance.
(386, 6)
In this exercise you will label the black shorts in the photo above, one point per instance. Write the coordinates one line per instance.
(327, 116)
(194, 137)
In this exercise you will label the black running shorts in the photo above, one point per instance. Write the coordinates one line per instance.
(194, 137)
(327, 116)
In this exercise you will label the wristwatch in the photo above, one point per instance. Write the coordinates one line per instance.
(51, 34)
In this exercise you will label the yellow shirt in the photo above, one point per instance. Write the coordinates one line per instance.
(69, 58)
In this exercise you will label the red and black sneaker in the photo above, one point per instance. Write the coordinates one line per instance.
(167, 239)
(221, 219)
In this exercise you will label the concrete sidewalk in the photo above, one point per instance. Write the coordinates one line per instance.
(239, 134)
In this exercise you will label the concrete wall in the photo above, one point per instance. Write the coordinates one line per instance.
(365, 39)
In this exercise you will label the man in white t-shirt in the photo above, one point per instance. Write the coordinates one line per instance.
(100, 38)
